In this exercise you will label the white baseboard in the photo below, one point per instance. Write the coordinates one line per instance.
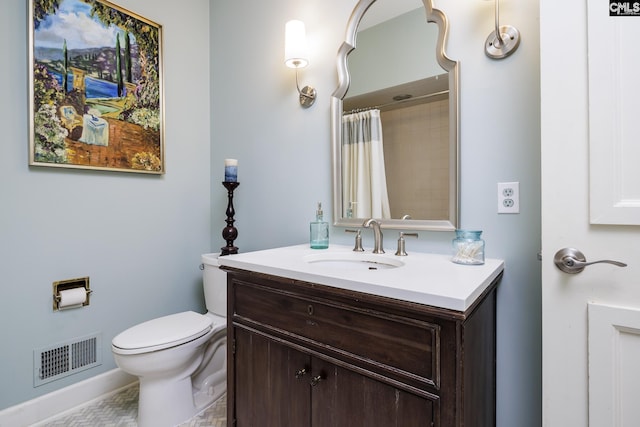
(37, 410)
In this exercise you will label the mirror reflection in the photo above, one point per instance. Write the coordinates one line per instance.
(395, 133)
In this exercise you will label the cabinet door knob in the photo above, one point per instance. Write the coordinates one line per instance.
(315, 380)
(300, 373)
(310, 310)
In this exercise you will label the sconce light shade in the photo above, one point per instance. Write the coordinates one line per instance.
(295, 47)
(295, 56)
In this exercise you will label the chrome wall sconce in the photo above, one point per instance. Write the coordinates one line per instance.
(503, 41)
(295, 56)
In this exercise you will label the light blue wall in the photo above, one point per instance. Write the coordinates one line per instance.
(284, 152)
(138, 237)
(228, 94)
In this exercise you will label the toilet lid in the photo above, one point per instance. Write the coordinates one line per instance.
(163, 332)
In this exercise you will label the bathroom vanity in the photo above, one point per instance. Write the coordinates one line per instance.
(345, 339)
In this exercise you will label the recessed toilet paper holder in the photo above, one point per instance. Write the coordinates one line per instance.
(64, 285)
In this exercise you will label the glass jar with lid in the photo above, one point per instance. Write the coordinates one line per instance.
(468, 247)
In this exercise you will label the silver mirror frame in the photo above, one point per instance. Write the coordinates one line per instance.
(452, 67)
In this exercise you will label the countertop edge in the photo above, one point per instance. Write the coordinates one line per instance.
(461, 304)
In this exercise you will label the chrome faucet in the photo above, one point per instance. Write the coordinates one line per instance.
(377, 234)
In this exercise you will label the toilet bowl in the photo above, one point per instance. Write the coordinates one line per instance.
(179, 359)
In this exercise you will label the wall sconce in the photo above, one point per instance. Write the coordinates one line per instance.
(503, 41)
(295, 56)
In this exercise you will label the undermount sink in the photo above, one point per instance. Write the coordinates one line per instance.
(353, 260)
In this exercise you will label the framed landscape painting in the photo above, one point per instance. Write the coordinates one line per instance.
(96, 93)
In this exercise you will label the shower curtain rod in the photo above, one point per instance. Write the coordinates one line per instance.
(417, 98)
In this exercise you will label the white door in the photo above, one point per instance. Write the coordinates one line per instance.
(590, 130)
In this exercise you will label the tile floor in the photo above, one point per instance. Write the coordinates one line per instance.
(120, 410)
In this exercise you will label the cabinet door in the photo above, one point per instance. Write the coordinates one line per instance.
(269, 390)
(347, 398)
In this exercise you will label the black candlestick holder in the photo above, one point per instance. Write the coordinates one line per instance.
(230, 233)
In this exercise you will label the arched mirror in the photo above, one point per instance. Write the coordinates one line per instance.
(394, 119)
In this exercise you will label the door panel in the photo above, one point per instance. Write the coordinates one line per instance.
(614, 67)
(346, 398)
(614, 352)
(268, 394)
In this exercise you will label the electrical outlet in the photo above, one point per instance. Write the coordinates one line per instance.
(509, 197)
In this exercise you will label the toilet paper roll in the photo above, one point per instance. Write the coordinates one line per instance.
(72, 298)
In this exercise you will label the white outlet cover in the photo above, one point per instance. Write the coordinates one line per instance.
(508, 197)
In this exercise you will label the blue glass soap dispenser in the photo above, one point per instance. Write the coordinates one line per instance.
(319, 231)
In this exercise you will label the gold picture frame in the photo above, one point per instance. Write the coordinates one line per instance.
(96, 87)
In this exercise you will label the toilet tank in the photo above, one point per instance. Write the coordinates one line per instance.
(214, 282)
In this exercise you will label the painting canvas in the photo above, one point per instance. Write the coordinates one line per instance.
(95, 86)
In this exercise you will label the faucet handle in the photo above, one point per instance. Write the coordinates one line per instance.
(358, 245)
(401, 251)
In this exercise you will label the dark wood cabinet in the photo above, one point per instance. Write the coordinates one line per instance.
(267, 390)
(346, 397)
(304, 354)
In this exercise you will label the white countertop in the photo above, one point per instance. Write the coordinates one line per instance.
(423, 278)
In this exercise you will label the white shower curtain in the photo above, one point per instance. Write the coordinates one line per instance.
(363, 171)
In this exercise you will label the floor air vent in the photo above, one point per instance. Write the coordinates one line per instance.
(67, 358)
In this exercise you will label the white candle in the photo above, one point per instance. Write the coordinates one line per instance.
(231, 170)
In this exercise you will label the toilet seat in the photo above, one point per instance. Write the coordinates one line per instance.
(162, 333)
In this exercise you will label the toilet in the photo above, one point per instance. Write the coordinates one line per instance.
(179, 359)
